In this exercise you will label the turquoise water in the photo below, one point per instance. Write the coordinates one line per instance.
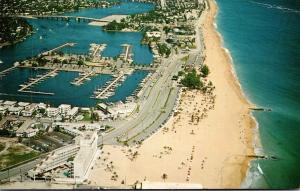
(263, 37)
(52, 33)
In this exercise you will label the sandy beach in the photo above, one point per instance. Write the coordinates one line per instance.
(206, 142)
(110, 18)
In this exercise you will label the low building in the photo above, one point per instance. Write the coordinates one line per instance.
(3, 110)
(64, 109)
(9, 103)
(52, 111)
(70, 128)
(30, 132)
(29, 110)
(153, 34)
(23, 104)
(71, 114)
(122, 110)
(42, 106)
(12, 110)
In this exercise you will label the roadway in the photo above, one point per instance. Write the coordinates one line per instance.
(156, 105)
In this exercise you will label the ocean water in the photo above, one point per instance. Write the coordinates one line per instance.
(50, 34)
(263, 37)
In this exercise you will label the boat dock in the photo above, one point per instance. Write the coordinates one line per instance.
(95, 51)
(4, 72)
(108, 88)
(57, 48)
(32, 81)
(82, 77)
(126, 55)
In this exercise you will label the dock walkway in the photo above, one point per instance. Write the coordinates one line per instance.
(78, 81)
(109, 86)
(57, 48)
(24, 88)
(4, 72)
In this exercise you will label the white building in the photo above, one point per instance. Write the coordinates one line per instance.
(3, 110)
(23, 104)
(153, 34)
(9, 103)
(12, 110)
(85, 156)
(52, 111)
(55, 159)
(84, 152)
(29, 110)
(71, 114)
(64, 109)
(122, 110)
(42, 106)
(30, 132)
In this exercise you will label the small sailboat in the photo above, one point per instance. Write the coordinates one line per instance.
(259, 169)
(41, 37)
(1, 62)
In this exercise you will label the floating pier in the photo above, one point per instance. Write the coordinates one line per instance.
(126, 55)
(57, 48)
(4, 72)
(102, 94)
(32, 81)
(95, 51)
(82, 77)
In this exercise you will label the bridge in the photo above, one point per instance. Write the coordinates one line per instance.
(64, 18)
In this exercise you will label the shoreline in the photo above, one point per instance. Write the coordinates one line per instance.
(255, 139)
(213, 153)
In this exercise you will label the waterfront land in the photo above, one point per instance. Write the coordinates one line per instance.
(212, 152)
(205, 139)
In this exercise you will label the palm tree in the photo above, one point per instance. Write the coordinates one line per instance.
(164, 176)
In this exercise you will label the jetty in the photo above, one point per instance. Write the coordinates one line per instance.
(82, 77)
(32, 81)
(57, 48)
(99, 94)
(126, 55)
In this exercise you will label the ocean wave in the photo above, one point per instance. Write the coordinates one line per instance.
(278, 7)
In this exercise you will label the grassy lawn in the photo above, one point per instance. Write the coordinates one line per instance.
(16, 154)
(86, 117)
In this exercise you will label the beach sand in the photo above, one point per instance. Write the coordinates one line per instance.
(110, 18)
(205, 143)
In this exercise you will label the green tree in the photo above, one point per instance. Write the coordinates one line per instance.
(205, 70)
(192, 80)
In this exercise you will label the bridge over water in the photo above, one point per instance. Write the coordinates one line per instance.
(63, 18)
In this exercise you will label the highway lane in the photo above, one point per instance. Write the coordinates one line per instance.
(22, 169)
(155, 106)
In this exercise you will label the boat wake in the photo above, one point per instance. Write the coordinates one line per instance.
(278, 7)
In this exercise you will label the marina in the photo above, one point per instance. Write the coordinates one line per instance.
(54, 40)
